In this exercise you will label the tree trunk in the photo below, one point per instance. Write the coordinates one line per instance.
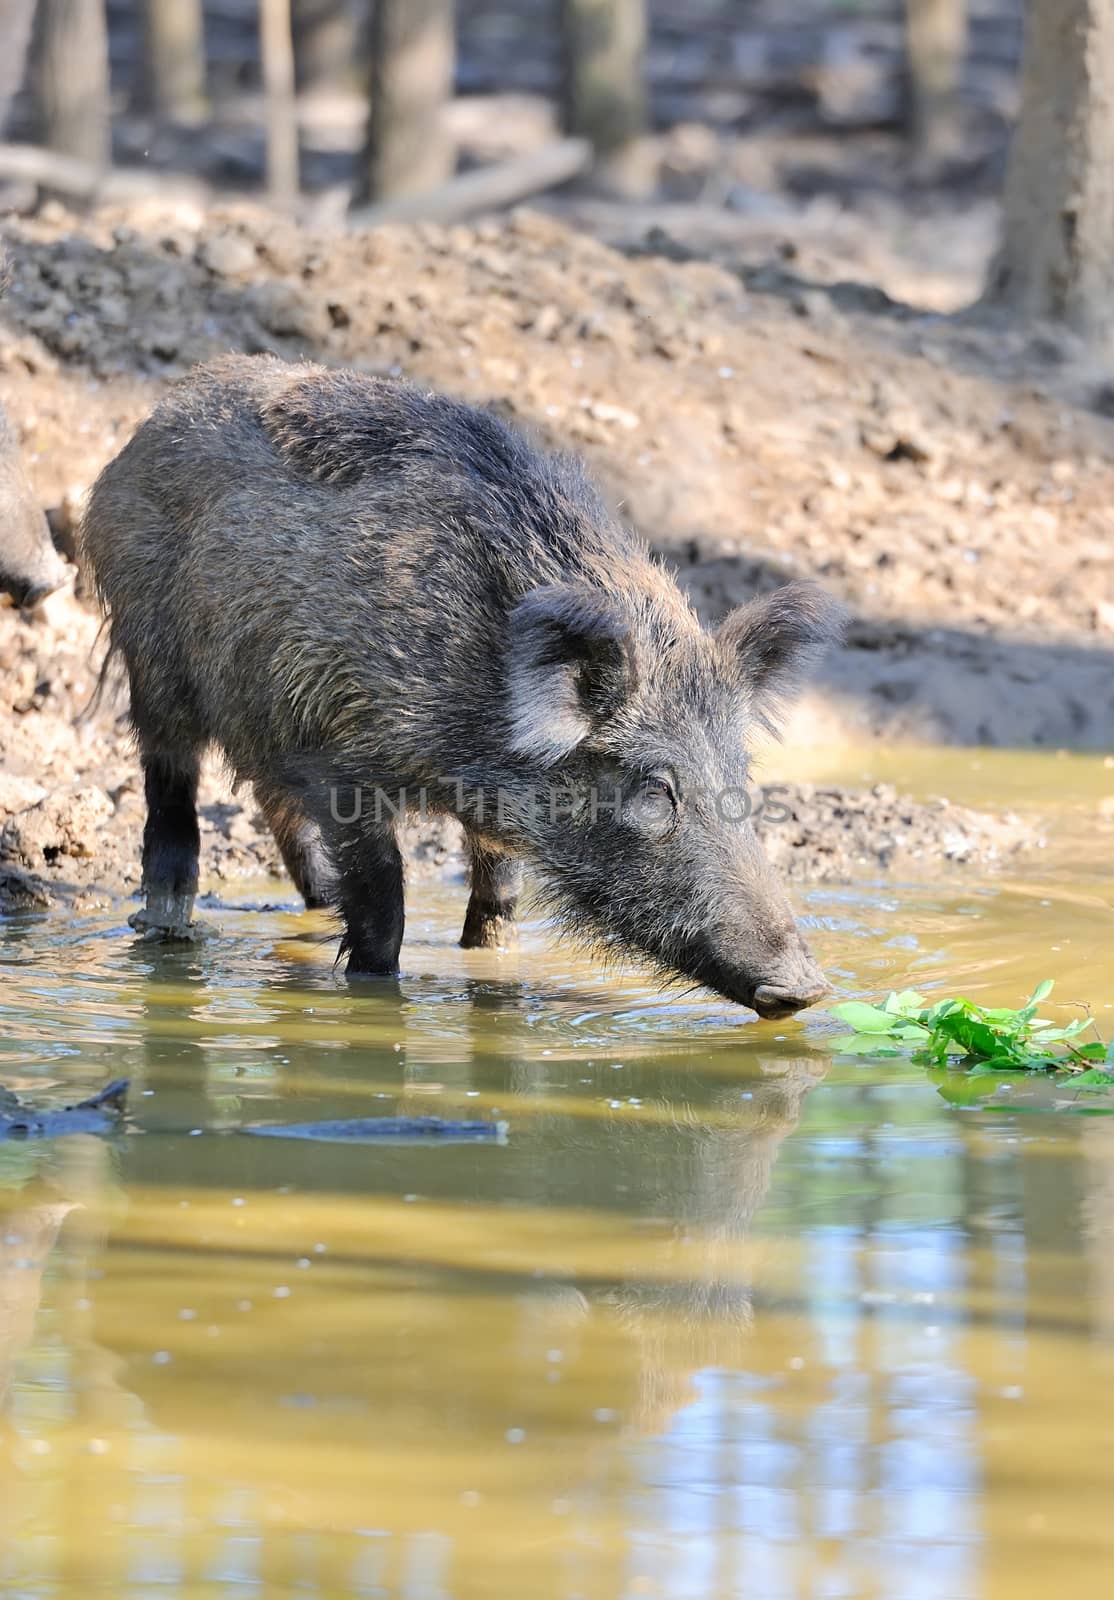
(326, 42)
(69, 79)
(1056, 256)
(603, 89)
(173, 81)
(412, 63)
(15, 36)
(936, 43)
(277, 50)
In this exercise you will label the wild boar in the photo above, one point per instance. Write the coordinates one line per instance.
(30, 567)
(359, 591)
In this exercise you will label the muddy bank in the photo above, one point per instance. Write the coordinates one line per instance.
(949, 482)
(833, 834)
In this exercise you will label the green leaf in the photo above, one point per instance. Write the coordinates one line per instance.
(960, 1088)
(992, 1040)
(904, 1003)
(863, 1044)
(863, 1018)
(1093, 1078)
(1091, 1052)
(973, 1037)
(910, 1033)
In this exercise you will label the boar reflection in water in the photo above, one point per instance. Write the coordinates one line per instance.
(701, 1315)
(349, 585)
(41, 1185)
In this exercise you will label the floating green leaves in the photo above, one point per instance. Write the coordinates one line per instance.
(987, 1039)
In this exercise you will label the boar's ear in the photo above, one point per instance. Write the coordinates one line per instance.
(570, 666)
(778, 639)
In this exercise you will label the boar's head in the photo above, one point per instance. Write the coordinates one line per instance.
(30, 567)
(634, 722)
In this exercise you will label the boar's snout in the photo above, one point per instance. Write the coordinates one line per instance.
(773, 1002)
(27, 592)
(30, 567)
(786, 981)
(799, 984)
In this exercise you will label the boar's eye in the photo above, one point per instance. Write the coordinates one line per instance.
(659, 784)
(652, 803)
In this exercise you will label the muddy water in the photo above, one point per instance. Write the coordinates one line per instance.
(721, 1318)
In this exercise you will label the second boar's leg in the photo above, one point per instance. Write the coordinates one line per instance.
(496, 885)
(300, 844)
(171, 846)
(369, 895)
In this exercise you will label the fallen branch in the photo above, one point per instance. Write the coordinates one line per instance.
(82, 180)
(487, 189)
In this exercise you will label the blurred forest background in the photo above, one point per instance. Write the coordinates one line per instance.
(440, 109)
(726, 103)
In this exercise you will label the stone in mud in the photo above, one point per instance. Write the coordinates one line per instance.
(228, 254)
(286, 311)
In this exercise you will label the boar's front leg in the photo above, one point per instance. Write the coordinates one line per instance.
(496, 884)
(369, 895)
(171, 846)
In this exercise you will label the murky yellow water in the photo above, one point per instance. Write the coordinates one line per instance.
(720, 1319)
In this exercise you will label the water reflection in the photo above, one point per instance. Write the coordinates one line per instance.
(717, 1321)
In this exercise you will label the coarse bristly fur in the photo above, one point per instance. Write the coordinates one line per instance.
(349, 585)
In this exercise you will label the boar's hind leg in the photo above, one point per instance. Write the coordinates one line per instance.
(171, 845)
(369, 895)
(496, 885)
(300, 844)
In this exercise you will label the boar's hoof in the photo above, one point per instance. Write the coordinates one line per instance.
(167, 920)
(488, 932)
(773, 1003)
(382, 979)
(157, 933)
